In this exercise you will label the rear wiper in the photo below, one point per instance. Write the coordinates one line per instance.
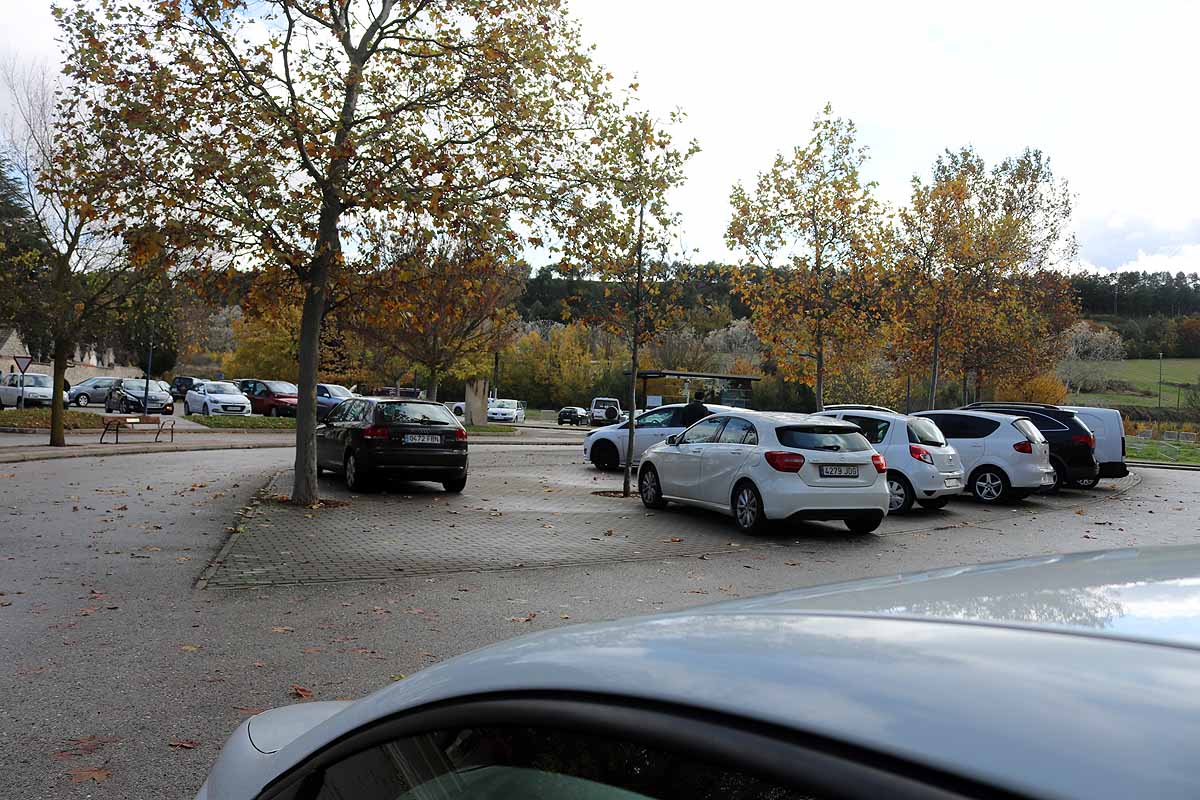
(429, 421)
(833, 448)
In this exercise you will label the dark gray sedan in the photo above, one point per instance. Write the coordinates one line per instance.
(1065, 676)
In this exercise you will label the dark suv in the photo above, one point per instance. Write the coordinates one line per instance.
(1072, 444)
(181, 384)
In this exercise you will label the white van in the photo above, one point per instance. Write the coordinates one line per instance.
(1109, 428)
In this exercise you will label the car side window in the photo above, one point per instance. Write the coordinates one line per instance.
(736, 431)
(1046, 423)
(952, 426)
(980, 427)
(358, 412)
(537, 764)
(336, 413)
(322, 391)
(658, 418)
(876, 430)
(704, 431)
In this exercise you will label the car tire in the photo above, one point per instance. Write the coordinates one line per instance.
(357, 478)
(1086, 483)
(82, 400)
(649, 487)
(187, 410)
(455, 486)
(1060, 475)
(205, 411)
(272, 412)
(900, 493)
(864, 523)
(605, 456)
(747, 507)
(989, 485)
(935, 503)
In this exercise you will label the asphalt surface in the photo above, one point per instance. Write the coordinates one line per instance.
(107, 635)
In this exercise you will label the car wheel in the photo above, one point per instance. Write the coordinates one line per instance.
(205, 411)
(357, 477)
(455, 486)
(604, 455)
(1060, 475)
(272, 412)
(187, 410)
(900, 493)
(649, 487)
(989, 485)
(935, 503)
(82, 400)
(747, 508)
(864, 523)
(1086, 483)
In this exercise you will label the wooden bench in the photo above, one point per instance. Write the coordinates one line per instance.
(113, 423)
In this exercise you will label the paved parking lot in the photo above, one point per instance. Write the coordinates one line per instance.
(526, 510)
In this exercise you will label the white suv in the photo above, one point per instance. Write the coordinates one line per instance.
(922, 467)
(1003, 456)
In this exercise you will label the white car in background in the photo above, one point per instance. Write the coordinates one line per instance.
(922, 467)
(37, 391)
(1003, 456)
(605, 447)
(216, 398)
(506, 411)
(757, 466)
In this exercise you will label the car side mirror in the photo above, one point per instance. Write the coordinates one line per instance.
(673, 439)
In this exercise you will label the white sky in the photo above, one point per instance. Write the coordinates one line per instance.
(1107, 90)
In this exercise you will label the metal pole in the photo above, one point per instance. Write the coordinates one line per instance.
(1160, 380)
(149, 366)
(496, 375)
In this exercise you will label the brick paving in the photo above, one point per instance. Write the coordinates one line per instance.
(523, 509)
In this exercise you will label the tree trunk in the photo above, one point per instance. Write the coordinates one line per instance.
(637, 334)
(933, 370)
(820, 387)
(431, 391)
(57, 434)
(966, 387)
(632, 421)
(305, 491)
(475, 403)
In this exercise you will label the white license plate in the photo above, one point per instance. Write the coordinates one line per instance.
(953, 483)
(422, 438)
(838, 471)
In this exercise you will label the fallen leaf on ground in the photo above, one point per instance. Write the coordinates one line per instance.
(260, 663)
(311, 650)
(151, 549)
(83, 774)
(189, 648)
(183, 744)
(527, 618)
(673, 540)
(301, 692)
(281, 629)
(85, 746)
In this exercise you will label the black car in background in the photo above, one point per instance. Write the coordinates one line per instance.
(1072, 444)
(573, 415)
(366, 438)
(127, 395)
(182, 384)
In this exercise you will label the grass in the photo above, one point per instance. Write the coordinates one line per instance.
(1142, 375)
(245, 423)
(1171, 452)
(490, 428)
(40, 418)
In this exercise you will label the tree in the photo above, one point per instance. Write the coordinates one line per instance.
(1087, 353)
(281, 129)
(620, 230)
(808, 230)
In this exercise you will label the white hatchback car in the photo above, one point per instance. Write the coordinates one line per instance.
(216, 397)
(605, 447)
(757, 466)
(1003, 456)
(922, 467)
(506, 411)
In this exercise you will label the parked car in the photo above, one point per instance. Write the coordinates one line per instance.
(1072, 444)
(506, 411)
(368, 437)
(271, 398)
(180, 385)
(328, 397)
(604, 411)
(857, 407)
(1003, 456)
(89, 389)
(757, 466)
(922, 467)
(126, 395)
(605, 447)
(572, 415)
(38, 389)
(1108, 427)
(216, 398)
(779, 697)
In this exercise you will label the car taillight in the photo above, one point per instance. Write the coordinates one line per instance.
(1024, 446)
(784, 460)
(920, 453)
(1089, 440)
(460, 435)
(880, 463)
(375, 432)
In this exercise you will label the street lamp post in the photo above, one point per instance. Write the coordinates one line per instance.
(1160, 355)
(149, 366)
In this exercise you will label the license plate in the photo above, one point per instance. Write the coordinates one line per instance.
(838, 471)
(952, 483)
(422, 438)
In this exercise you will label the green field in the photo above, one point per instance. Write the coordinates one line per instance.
(1170, 452)
(1142, 375)
(245, 423)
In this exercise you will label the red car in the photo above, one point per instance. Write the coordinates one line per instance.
(271, 398)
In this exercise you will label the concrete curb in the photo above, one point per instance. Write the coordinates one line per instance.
(133, 450)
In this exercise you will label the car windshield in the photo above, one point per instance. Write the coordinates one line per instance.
(220, 387)
(139, 387)
(415, 414)
(164, 386)
(281, 387)
(505, 404)
(39, 381)
(337, 391)
(924, 431)
(822, 437)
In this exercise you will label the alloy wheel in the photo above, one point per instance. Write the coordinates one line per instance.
(746, 508)
(897, 494)
(351, 471)
(649, 486)
(989, 486)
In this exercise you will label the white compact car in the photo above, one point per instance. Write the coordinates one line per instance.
(605, 447)
(216, 398)
(37, 391)
(506, 411)
(1003, 456)
(922, 467)
(757, 466)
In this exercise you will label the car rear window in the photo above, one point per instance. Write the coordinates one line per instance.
(399, 413)
(1029, 430)
(924, 431)
(834, 438)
